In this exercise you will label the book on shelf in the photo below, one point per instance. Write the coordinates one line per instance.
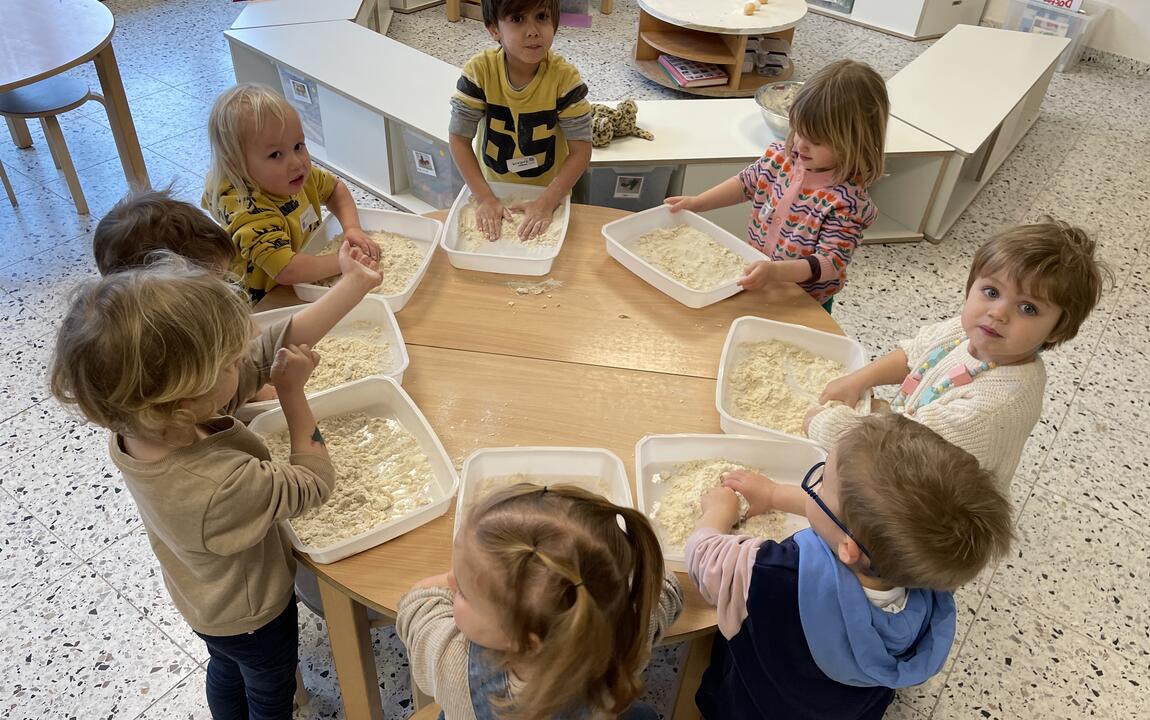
(688, 73)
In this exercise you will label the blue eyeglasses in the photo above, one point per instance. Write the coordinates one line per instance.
(810, 482)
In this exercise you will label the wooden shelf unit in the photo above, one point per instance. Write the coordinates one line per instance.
(726, 50)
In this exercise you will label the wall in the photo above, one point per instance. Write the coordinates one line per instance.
(1125, 30)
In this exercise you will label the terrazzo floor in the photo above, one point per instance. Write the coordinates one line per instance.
(1059, 629)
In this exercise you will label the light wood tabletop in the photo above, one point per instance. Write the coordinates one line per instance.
(41, 39)
(489, 373)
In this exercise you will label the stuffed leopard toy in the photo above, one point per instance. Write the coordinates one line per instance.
(608, 123)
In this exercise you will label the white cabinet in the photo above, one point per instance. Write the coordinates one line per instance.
(912, 19)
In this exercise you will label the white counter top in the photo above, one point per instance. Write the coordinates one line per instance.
(410, 86)
(689, 131)
(961, 88)
(726, 16)
(296, 12)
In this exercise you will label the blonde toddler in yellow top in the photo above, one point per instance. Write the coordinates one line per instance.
(263, 190)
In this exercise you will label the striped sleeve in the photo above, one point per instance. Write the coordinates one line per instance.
(765, 168)
(469, 88)
(258, 230)
(571, 101)
(323, 181)
(840, 234)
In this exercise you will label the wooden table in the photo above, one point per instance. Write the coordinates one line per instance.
(40, 39)
(598, 361)
(715, 33)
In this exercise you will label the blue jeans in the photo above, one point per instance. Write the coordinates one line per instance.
(252, 676)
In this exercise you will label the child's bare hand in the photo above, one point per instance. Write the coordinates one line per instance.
(358, 238)
(536, 218)
(756, 275)
(846, 389)
(758, 490)
(292, 367)
(489, 217)
(358, 265)
(680, 202)
(720, 508)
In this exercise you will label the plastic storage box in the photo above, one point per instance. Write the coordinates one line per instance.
(431, 173)
(376, 397)
(784, 461)
(509, 257)
(628, 188)
(372, 310)
(1034, 16)
(746, 329)
(623, 235)
(424, 231)
(566, 461)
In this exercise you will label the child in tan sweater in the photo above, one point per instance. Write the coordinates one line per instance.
(150, 354)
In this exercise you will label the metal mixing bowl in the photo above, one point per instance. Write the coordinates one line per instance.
(779, 124)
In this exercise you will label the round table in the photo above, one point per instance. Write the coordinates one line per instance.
(714, 32)
(598, 360)
(41, 39)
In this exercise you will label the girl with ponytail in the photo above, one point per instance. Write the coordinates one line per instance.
(549, 611)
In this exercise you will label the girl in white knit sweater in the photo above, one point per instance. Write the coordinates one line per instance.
(977, 379)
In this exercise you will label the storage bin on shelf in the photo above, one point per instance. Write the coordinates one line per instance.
(431, 173)
(627, 188)
(1035, 16)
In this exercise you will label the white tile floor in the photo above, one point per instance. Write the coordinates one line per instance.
(1058, 630)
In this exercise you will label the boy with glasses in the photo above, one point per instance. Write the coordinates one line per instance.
(826, 623)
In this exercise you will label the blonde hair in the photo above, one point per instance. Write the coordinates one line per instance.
(928, 514)
(137, 344)
(1052, 260)
(844, 106)
(566, 572)
(239, 113)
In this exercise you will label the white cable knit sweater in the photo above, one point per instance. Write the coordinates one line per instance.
(991, 417)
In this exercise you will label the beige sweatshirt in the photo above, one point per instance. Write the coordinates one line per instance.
(437, 651)
(256, 368)
(212, 513)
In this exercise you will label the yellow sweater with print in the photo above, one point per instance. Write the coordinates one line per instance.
(268, 230)
(525, 131)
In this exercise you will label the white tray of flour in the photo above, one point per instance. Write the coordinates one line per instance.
(371, 313)
(375, 397)
(783, 461)
(623, 235)
(604, 469)
(749, 329)
(510, 257)
(423, 231)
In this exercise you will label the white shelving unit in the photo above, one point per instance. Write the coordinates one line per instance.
(910, 19)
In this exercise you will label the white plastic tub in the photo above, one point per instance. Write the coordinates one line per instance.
(623, 236)
(373, 310)
(784, 461)
(424, 231)
(747, 329)
(376, 397)
(566, 461)
(508, 257)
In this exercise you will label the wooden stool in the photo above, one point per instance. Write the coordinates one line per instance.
(45, 100)
(7, 185)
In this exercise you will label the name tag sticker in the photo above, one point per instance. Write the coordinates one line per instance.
(523, 163)
(308, 218)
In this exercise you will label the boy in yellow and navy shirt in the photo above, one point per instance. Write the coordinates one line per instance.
(535, 114)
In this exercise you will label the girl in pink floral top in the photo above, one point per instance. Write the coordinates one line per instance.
(809, 205)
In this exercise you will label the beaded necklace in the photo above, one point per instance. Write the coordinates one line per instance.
(956, 376)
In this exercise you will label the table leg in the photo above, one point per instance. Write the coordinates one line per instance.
(606, 6)
(453, 10)
(18, 128)
(350, 635)
(698, 657)
(120, 118)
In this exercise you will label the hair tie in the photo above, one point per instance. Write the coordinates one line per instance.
(543, 491)
(578, 583)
